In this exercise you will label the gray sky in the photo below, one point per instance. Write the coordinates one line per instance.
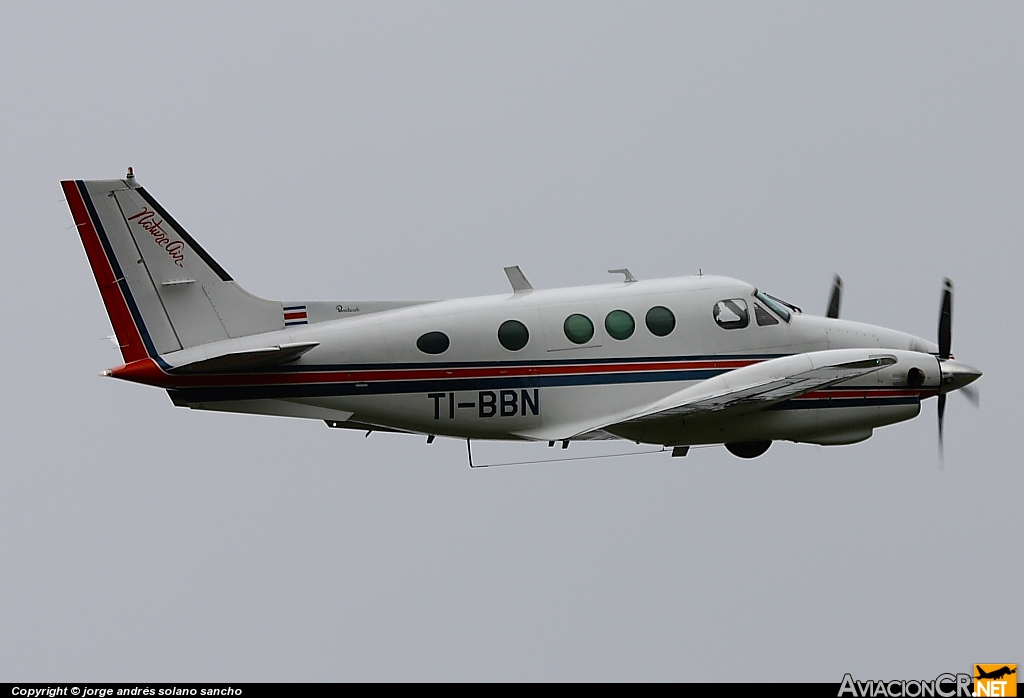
(356, 151)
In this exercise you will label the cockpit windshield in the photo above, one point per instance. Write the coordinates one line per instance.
(780, 308)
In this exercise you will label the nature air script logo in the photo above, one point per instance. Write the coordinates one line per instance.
(995, 679)
(152, 225)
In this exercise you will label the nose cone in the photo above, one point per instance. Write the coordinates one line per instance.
(956, 375)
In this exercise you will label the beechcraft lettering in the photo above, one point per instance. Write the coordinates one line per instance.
(677, 362)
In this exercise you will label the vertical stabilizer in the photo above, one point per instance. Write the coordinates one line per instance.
(162, 291)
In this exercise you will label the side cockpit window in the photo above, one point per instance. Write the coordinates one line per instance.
(763, 317)
(732, 314)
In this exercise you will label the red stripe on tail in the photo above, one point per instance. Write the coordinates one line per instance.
(128, 337)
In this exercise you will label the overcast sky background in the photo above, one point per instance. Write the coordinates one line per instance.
(361, 151)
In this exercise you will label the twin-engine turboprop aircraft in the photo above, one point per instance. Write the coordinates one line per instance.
(675, 362)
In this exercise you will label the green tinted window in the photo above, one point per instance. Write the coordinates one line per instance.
(764, 318)
(433, 343)
(579, 329)
(660, 321)
(620, 324)
(775, 305)
(513, 335)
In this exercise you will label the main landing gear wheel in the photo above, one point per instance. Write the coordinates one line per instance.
(748, 449)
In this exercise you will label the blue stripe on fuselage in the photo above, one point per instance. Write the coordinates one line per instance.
(400, 387)
(319, 368)
(255, 392)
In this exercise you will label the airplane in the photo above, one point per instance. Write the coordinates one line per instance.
(678, 362)
(995, 674)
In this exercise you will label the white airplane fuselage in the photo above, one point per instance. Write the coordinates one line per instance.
(678, 362)
(370, 366)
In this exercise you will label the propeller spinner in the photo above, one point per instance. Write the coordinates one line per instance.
(955, 375)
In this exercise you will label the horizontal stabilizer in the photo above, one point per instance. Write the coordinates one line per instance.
(248, 359)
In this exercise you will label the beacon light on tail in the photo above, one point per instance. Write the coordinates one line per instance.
(676, 362)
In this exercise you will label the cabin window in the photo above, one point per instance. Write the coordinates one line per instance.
(763, 317)
(433, 343)
(732, 314)
(513, 335)
(660, 321)
(620, 324)
(578, 328)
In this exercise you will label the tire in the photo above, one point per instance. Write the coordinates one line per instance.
(748, 449)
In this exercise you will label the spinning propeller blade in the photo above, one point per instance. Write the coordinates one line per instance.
(946, 320)
(836, 298)
(942, 416)
(972, 394)
(955, 375)
(945, 344)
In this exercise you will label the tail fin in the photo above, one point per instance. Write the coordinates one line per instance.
(162, 291)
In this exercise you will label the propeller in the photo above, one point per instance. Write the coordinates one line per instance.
(835, 298)
(972, 394)
(955, 375)
(946, 320)
(945, 344)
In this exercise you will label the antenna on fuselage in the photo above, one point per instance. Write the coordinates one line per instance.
(517, 278)
(625, 272)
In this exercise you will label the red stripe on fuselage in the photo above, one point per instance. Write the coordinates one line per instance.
(154, 376)
(128, 336)
(148, 372)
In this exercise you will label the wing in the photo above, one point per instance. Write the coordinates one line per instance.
(743, 390)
